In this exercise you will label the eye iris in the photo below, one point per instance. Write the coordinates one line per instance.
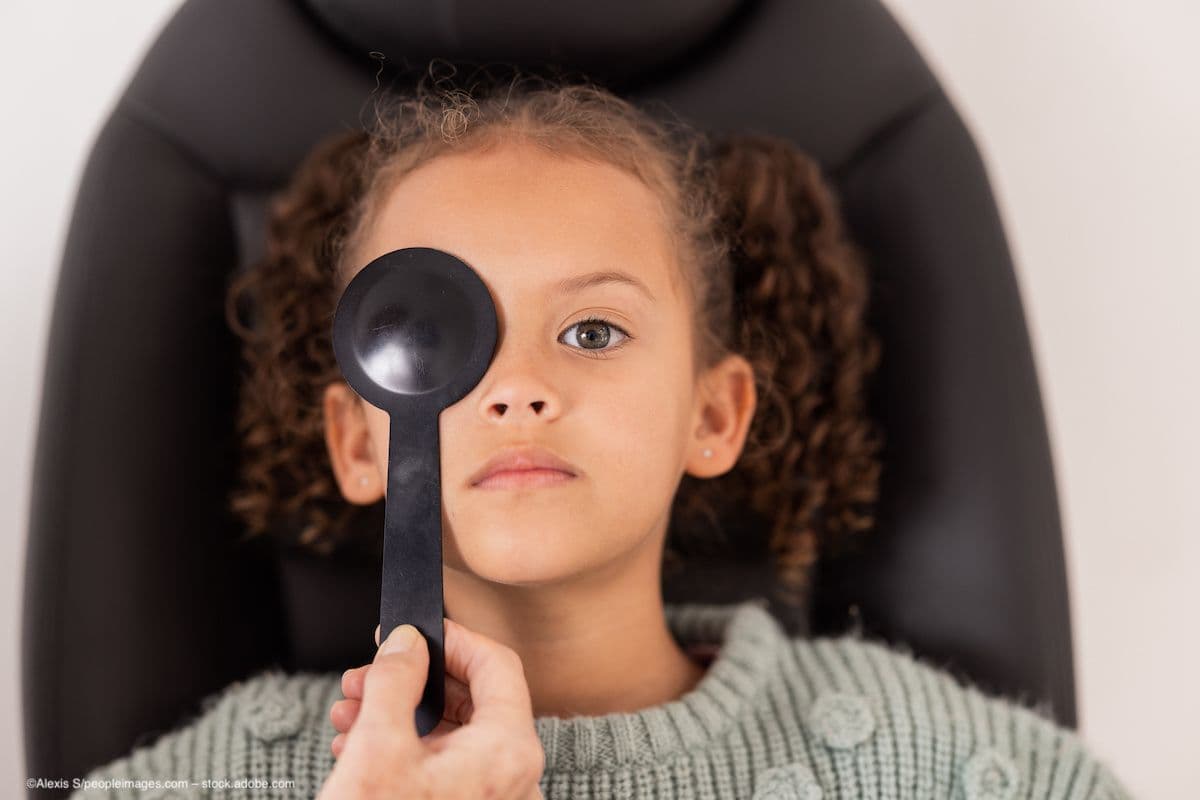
(600, 339)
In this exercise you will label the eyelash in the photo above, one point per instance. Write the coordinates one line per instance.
(606, 352)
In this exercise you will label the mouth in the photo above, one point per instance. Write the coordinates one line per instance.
(523, 466)
(525, 479)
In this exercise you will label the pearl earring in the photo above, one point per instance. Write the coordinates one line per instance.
(707, 452)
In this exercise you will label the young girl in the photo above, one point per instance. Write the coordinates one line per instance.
(681, 343)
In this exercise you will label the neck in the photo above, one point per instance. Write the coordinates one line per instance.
(590, 645)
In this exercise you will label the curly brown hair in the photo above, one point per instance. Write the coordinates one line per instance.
(771, 272)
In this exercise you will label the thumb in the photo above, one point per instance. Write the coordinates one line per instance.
(393, 686)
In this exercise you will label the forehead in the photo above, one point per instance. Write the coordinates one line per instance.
(525, 218)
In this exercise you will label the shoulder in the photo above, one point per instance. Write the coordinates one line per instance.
(261, 728)
(922, 726)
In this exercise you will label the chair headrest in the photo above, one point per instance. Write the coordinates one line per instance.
(614, 41)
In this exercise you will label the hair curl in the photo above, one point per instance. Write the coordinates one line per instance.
(763, 253)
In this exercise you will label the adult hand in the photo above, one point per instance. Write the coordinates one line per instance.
(343, 712)
(485, 746)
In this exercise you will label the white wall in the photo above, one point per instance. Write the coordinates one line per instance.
(1088, 115)
(1089, 120)
(62, 66)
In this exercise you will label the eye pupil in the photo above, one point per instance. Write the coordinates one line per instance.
(587, 333)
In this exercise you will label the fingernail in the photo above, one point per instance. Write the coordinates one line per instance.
(401, 639)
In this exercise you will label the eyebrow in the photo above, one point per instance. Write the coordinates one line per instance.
(578, 283)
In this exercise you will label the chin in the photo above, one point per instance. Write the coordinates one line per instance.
(515, 570)
(515, 552)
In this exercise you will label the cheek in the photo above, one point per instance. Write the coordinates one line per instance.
(642, 435)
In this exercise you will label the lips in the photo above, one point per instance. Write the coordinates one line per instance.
(515, 460)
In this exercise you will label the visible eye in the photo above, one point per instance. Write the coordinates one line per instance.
(596, 333)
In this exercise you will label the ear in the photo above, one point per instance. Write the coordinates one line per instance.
(349, 441)
(725, 404)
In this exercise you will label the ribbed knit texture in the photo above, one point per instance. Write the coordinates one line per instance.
(774, 718)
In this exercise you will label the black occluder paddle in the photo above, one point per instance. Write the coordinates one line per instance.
(413, 333)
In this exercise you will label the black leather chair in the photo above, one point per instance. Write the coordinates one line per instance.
(137, 600)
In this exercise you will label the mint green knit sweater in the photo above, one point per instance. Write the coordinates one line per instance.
(774, 718)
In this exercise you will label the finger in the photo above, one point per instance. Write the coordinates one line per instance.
(352, 682)
(338, 744)
(393, 687)
(493, 675)
(459, 707)
(343, 713)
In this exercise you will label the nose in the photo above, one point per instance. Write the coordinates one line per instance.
(518, 393)
(497, 410)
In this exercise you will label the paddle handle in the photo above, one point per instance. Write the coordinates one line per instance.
(411, 590)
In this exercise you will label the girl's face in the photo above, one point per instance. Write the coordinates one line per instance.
(548, 235)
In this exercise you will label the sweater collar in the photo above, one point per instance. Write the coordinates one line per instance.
(749, 638)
